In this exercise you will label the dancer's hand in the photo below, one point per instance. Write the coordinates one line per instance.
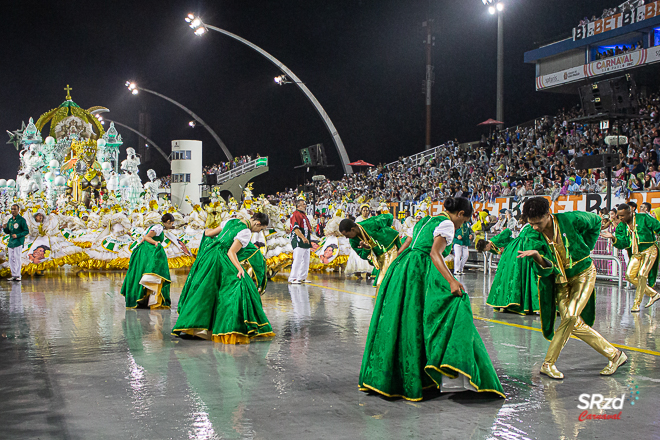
(241, 273)
(607, 234)
(456, 288)
(532, 253)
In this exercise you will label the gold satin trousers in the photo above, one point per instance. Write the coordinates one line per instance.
(638, 270)
(384, 262)
(572, 298)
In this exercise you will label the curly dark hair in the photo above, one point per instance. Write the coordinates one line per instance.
(346, 225)
(536, 207)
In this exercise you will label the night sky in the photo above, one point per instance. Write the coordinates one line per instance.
(363, 59)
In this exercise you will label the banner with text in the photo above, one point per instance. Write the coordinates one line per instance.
(638, 13)
(585, 202)
(601, 67)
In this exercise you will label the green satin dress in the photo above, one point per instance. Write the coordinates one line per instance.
(420, 332)
(515, 287)
(148, 273)
(215, 304)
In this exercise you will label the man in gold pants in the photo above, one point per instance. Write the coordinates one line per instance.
(561, 245)
(636, 234)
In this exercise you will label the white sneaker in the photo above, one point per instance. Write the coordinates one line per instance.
(295, 282)
(11, 279)
(17, 279)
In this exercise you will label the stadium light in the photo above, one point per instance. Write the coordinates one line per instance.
(201, 28)
(196, 24)
(134, 88)
(497, 7)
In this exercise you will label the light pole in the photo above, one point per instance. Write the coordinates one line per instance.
(497, 7)
(133, 87)
(200, 28)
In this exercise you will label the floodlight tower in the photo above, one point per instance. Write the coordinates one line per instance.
(200, 28)
(497, 7)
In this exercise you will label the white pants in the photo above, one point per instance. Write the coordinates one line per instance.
(300, 266)
(15, 260)
(461, 253)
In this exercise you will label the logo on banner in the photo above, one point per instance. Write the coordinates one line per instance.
(609, 408)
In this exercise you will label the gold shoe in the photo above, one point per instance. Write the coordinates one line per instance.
(551, 371)
(613, 365)
(635, 308)
(652, 300)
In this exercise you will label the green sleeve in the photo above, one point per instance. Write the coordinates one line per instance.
(377, 222)
(5, 229)
(538, 244)
(588, 225)
(653, 224)
(502, 239)
(621, 238)
(362, 253)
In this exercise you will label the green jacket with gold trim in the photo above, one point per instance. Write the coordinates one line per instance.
(500, 241)
(379, 228)
(579, 232)
(645, 228)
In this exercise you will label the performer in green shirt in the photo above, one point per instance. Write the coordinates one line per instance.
(460, 247)
(561, 245)
(636, 234)
(374, 240)
(17, 229)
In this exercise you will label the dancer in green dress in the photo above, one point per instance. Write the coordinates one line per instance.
(515, 287)
(219, 302)
(147, 282)
(373, 239)
(422, 333)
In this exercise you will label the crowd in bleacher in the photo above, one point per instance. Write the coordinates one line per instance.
(222, 167)
(520, 161)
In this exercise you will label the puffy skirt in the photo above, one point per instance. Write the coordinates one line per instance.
(217, 305)
(515, 287)
(422, 336)
(147, 281)
(356, 264)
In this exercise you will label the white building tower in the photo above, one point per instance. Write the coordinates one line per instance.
(186, 173)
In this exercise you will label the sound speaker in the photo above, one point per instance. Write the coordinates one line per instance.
(210, 179)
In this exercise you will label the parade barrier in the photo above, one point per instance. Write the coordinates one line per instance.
(609, 261)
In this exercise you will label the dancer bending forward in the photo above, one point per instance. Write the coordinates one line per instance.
(421, 333)
(220, 301)
(147, 281)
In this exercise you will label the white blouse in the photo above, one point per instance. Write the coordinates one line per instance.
(445, 229)
(158, 229)
(244, 237)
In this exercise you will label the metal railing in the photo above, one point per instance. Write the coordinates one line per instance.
(245, 168)
(419, 158)
(610, 264)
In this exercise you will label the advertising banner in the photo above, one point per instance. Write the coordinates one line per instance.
(586, 202)
(639, 13)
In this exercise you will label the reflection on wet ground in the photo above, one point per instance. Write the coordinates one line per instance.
(75, 364)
